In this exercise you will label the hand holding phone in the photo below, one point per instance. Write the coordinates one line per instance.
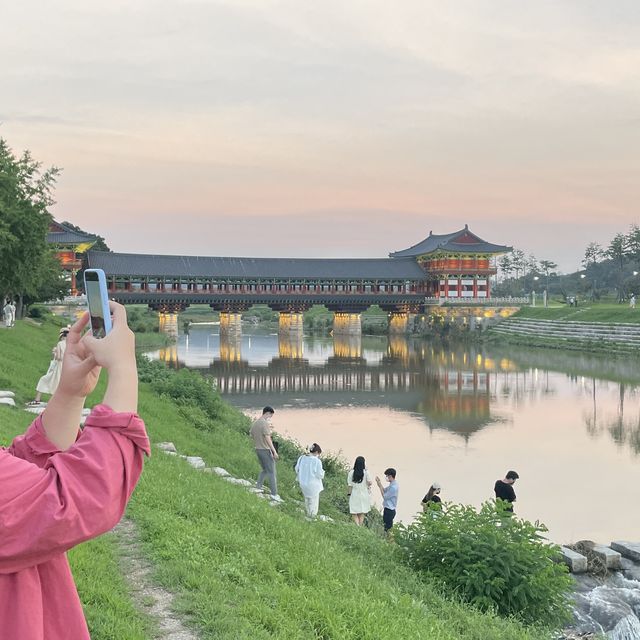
(95, 285)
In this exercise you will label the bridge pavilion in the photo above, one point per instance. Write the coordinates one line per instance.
(69, 246)
(453, 266)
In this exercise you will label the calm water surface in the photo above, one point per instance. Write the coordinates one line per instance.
(461, 416)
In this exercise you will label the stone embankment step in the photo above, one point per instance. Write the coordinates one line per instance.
(198, 463)
(623, 336)
(610, 557)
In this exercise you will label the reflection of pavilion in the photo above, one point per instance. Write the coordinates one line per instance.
(460, 403)
(452, 389)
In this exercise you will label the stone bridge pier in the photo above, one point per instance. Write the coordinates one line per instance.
(168, 317)
(401, 318)
(230, 318)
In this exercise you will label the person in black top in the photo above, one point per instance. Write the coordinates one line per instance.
(432, 499)
(504, 489)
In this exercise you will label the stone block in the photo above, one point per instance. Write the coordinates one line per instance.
(239, 481)
(10, 402)
(576, 562)
(609, 557)
(219, 471)
(196, 462)
(167, 446)
(630, 550)
(7, 394)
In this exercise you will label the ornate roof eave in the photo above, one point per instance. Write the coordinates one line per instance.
(446, 243)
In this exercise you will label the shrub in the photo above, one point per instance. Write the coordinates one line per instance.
(38, 311)
(184, 386)
(492, 560)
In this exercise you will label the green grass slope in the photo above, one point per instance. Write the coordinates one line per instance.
(240, 567)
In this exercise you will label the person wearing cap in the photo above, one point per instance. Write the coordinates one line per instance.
(432, 499)
(504, 489)
(50, 380)
(265, 450)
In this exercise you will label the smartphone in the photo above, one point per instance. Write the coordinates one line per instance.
(95, 285)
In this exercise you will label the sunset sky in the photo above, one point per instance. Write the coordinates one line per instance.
(335, 128)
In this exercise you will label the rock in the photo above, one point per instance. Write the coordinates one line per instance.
(609, 557)
(10, 402)
(325, 518)
(37, 409)
(171, 453)
(576, 562)
(196, 462)
(630, 550)
(7, 394)
(238, 481)
(255, 490)
(607, 608)
(167, 446)
(219, 471)
(627, 629)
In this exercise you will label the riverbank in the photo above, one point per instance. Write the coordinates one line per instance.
(605, 328)
(239, 567)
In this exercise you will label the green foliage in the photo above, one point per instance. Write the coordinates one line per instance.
(184, 387)
(492, 560)
(25, 195)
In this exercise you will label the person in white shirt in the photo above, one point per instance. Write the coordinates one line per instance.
(309, 472)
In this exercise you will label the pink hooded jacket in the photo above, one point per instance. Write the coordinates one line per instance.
(52, 500)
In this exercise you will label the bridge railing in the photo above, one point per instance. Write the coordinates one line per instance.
(485, 302)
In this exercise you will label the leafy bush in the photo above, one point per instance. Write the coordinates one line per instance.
(492, 560)
(38, 311)
(184, 386)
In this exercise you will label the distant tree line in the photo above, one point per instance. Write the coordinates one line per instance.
(611, 269)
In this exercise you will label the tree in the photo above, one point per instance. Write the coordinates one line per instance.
(100, 244)
(592, 255)
(506, 266)
(519, 262)
(617, 252)
(25, 195)
(633, 243)
(548, 268)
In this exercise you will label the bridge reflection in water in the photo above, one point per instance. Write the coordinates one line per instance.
(453, 390)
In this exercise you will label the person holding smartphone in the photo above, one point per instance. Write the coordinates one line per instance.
(62, 486)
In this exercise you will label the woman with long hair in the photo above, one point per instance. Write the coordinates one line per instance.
(359, 484)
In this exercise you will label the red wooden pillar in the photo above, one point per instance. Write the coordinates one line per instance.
(488, 292)
(475, 286)
(459, 287)
(74, 289)
(446, 285)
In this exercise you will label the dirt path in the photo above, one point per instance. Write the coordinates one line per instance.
(149, 598)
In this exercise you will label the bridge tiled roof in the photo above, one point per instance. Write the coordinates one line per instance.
(131, 264)
(462, 241)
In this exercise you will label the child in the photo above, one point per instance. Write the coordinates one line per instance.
(62, 486)
(309, 472)
(389, 498)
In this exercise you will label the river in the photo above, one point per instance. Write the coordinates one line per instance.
(569, 424)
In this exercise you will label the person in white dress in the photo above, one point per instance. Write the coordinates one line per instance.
(49, 381)
(359, 485)
(309, 472)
